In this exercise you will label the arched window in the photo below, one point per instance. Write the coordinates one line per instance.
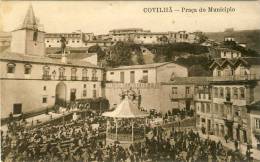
(84, 74)
(27, 68)
(11, 68)
(62, 73)
(73, 73)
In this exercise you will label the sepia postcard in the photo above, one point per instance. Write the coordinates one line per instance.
(130, 81)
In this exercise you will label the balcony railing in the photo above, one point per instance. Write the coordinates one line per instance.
(236, 77)
(94, 78)
(85, 78)
(62, 77)
(180, 96)
(256, 132)
(46, 77)
(73, 77)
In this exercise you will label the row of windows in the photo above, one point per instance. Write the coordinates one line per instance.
(46, 70)
(11, 68)
(234, 93)
(204, 108)
(175, 90)
(230, 72)
(73, 41)
(224, 110)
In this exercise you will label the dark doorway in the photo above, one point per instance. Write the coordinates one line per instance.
(60, 93)
(72, 94)
(17, 108)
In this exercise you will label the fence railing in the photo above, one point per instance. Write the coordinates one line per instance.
(236, 77)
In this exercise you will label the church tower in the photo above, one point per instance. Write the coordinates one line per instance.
(29, 38)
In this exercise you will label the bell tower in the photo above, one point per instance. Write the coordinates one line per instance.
(28, 39)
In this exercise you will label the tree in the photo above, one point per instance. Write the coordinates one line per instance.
(100, 52)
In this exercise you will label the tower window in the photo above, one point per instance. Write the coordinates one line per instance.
(35, 35)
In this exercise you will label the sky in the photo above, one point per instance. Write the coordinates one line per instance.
(101, 16)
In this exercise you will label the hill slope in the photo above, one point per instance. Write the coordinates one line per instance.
(250, 37)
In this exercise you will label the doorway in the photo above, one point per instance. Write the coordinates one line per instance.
(73, 95)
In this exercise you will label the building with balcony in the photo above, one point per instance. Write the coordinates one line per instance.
(235, 85)
(31, 81)
(203, 107)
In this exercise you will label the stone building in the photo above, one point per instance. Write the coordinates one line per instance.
(31, 82)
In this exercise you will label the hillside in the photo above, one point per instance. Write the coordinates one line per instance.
(250, 37)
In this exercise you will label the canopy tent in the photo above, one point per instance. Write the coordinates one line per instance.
(126, 109)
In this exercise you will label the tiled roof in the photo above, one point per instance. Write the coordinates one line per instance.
(43, 60)
(72, 55)
(190, 80)
(233, 62)
(153, 65)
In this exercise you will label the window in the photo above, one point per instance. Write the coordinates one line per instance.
(202, 107)
(242, 93)
(145, 76)
(94, 85)
(10, 68)
(111, 73)
(84, 72)
(84, 86)
(221, 107)
(27, 69)
(235, 93)
(44, 88)
(73, 73)
(187, 90)
(216, 92)
(35, 35)
(243, 71)
(174, 90)
(17, 108)
(84, 93)
(218, 72)
(215, 108)
(208, 107)
(44, 100)
(46, 70)
(221, 93)
(94, 93)
(257, 123)
(61, 71)
(228, 93)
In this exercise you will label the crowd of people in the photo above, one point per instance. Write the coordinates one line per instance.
(84, 140)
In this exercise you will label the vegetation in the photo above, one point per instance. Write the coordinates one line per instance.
(122, 53)
(170, 51)
(97, 49)
(245, 51)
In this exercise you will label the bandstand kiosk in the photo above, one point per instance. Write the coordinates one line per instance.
(126, 124)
